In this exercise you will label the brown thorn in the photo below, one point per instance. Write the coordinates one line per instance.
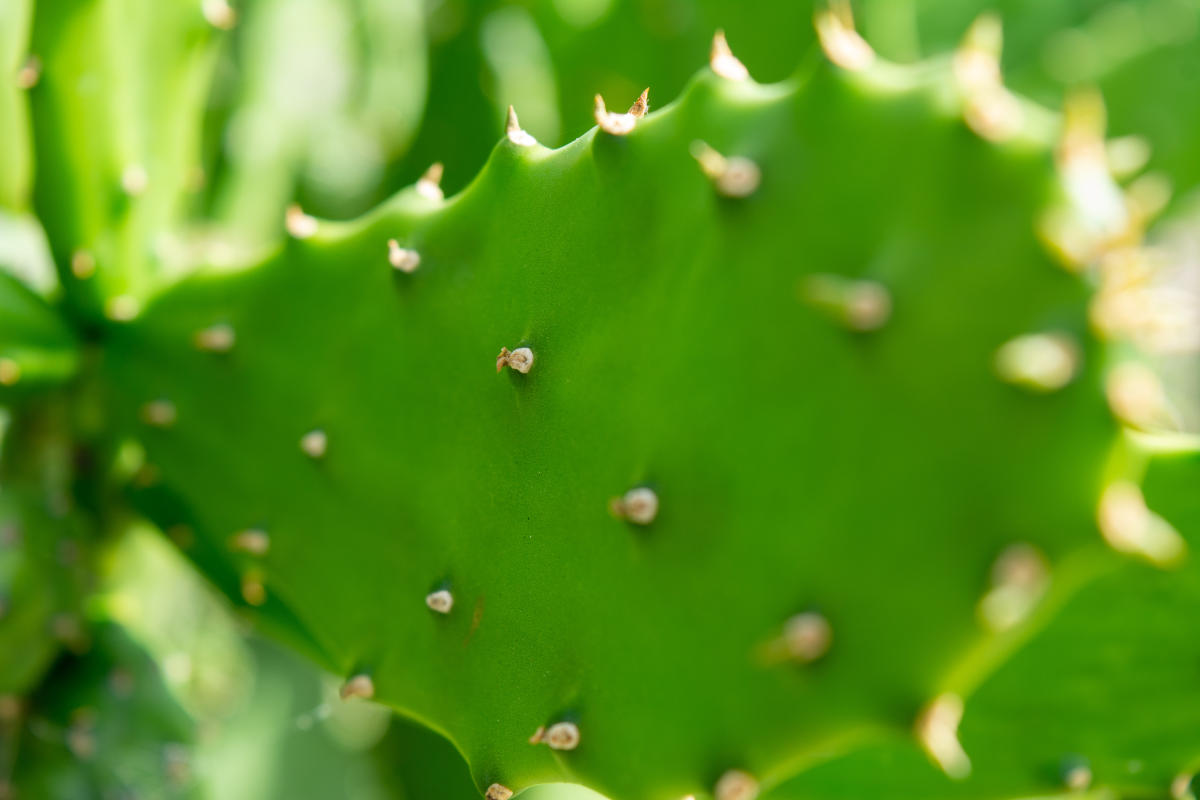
(641, 105)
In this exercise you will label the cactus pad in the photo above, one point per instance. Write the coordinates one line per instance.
(741, 508)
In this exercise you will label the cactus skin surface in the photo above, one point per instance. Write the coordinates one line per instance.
(873, 477)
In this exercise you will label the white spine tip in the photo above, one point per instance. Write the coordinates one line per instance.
(358, 686)
(219, 14)
(868, 306)
(539, 735)
(1130, 527)
(122, 308)
(733, 177)
(253, 591)
(134, 180)
(299, 225)
(10, 372)
(937, 730)
(807, 636)
(1078, 778)
(314, 443)
(562, 736)
(1020, 578)
(430, 184)
(401, 258)
(83, 264)
(615, 124)
(159, 413)
(990, 110)
(218, 338)
(840, 41)
(520, 359)
(861, 306)
(1040, 362)
(740, 179)
(512, 130)
(440, 601)
(1149, 195)
(639, 506)
(736, 785)
(1181, 787)
(252, 541)
(498, 791)
(1135, 395)
(1127, 155)
(712, 163)
(995, 114)
(977, 61)
(30, 73)
(723, 62)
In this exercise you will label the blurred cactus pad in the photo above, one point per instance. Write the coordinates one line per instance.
(820, 438)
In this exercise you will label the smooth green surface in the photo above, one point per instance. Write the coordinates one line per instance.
(15, 158)
(875, 477)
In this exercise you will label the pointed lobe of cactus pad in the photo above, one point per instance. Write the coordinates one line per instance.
(299, 224)
(724, 62)
(512, 129)
(621, 124)
(430, 184)
(937, 730)
(840, 41)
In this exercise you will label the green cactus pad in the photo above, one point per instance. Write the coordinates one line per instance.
(809, 451)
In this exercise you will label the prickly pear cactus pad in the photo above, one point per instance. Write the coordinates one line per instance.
(796, 437)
